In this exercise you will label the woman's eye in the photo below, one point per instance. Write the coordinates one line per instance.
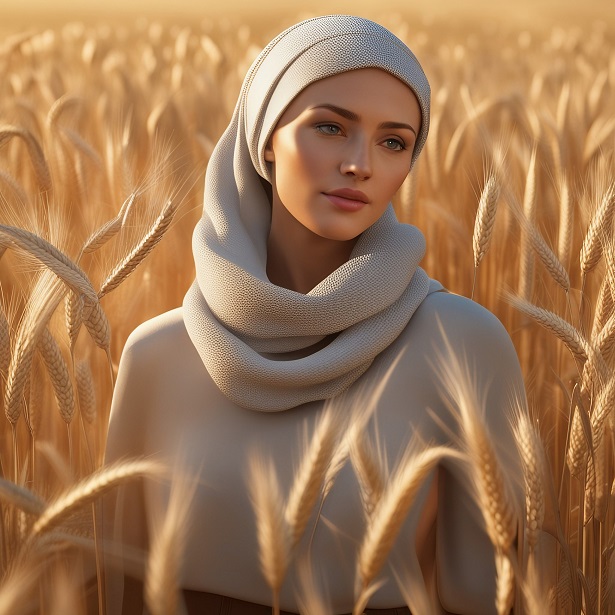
(394, 144)
(328, 129)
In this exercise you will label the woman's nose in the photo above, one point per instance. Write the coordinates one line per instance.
(357, 160)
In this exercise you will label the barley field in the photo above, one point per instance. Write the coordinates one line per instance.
(105, 134)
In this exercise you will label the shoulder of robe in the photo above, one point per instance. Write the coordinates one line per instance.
(449, 328)
(152, 352)
(152, 340)
(446, 322)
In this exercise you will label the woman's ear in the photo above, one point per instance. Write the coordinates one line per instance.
(269, 155)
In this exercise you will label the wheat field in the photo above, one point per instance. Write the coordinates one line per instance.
(105, 135)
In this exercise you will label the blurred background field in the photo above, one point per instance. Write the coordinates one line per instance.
(108, 114)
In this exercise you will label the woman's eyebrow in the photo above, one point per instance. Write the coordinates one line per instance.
(351, 115)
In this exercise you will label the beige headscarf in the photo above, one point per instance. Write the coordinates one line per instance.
(240, 323)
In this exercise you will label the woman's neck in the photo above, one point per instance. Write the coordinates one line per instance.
(297, 258)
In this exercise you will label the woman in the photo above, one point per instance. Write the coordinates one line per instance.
(307, 288)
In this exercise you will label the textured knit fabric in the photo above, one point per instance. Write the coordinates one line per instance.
(241, 324)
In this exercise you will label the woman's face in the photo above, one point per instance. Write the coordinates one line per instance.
(342, 149)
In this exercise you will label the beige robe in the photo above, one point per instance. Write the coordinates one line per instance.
(166, 405)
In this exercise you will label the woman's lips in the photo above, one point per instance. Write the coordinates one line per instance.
(348, 200)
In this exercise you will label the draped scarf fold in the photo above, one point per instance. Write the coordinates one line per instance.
(241, 324)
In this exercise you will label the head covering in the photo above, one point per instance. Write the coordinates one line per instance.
(241, 324)
(315, 49)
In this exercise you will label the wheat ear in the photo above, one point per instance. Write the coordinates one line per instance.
(600, 461)
(5, 345)
(548, 257)
(73, 315)
(44, 299)
(272, 529)
(599, 227)
(575, 342)
(311, 473)
(20, 497)
(525, 218)
(485, 218)
(59, 375)
(609, 586)
(493, 489)
(164, 564)
(598, 133)
(81, 145)
(603, 312)
(90, 489)
(59, 107)
(52, 258)
(310, 598)
(368, 470)
(594, 95)
(505, 584)
(33, 407)
(455, 145)
(566, 213)
(86, 392)
(97, 325)
(17, 189)
(110, 229)
(140, 251)
(580, 434)
(392, 510)
(531, 451)
(34, 150)
(603, 405)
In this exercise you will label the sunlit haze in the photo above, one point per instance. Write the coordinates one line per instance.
(524, 12)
